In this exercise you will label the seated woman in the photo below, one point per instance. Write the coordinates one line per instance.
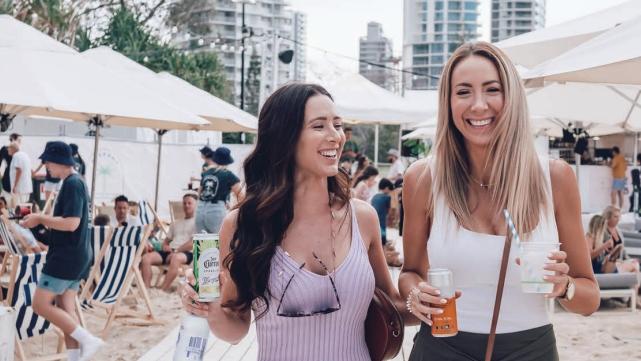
(596, 244)
(364, 183)
(617, 254)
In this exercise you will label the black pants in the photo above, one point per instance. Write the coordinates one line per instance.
(537, 344)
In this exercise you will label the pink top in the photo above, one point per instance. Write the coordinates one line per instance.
(336, 336)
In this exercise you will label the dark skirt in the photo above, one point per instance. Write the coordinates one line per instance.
(537, 344)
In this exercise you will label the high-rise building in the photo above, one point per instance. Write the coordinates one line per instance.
(432, 30)
(510, 18)
(268, 22)
(300, 37)
(376, 49)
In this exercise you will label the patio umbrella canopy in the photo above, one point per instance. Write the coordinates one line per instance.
(612, 57)
(221, 115)
(46, 78)
(174, 92)
(537, 46)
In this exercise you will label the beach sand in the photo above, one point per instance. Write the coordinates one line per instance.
(124, 342)
(614, 333)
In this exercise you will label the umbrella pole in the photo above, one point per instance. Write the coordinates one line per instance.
(161, 132)
(98, 123)
(376, 145)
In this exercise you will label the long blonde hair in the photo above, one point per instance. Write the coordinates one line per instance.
(516, 174)
(596, 229)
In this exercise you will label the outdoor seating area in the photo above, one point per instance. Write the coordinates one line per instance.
(256, 180)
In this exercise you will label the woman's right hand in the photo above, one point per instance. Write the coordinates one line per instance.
(189, 297)
(607, 245)
(421, 300)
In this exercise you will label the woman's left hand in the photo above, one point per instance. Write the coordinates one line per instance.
(560, 277)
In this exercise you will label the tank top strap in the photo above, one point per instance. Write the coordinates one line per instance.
(357, 238)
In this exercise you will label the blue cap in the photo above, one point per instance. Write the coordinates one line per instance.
(57, 152)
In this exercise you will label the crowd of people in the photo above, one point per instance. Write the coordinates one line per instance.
(305, 242)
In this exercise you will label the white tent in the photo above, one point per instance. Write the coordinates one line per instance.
(221, 115)
(46, 78)
(360, 101)
(535, 47)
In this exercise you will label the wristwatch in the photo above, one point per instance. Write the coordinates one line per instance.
(570, 289)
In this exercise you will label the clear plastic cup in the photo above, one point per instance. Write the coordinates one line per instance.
(534, 256)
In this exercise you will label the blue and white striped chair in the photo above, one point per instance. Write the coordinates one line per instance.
(116, 268)
(144, 215)
(11, 248)
(147, 215)
(22, 285)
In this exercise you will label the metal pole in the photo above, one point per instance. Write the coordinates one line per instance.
(275, 63)
(242, 60)
(94, 171)
(376, 145)
(160, 132)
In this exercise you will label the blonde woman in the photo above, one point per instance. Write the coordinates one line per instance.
(485, 161)
(597, 245)
(616, 255)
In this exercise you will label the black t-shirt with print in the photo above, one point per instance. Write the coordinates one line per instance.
(216, 184)
(69, 255)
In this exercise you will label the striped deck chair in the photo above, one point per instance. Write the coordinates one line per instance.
(147, 215)
(114, 272)
(11, 247)
(23, 282)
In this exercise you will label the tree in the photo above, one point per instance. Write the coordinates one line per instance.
(252, 84)
(189, 14)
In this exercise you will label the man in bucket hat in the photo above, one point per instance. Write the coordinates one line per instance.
(69, 254)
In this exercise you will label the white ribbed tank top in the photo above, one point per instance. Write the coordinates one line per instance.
(475, 260)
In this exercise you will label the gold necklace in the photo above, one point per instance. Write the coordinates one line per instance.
(484, 186)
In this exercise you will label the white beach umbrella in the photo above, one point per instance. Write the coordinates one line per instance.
(537, 46)
(613, 57)
(46, 78)
(221, 115)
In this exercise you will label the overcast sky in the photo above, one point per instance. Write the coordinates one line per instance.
(336, 25)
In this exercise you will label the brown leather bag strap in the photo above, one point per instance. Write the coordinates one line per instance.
(499, 296)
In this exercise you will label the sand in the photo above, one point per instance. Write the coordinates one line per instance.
(613, 333)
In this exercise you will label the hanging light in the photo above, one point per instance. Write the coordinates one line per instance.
(201, 42)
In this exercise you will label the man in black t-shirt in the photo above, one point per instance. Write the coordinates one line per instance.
(69, 256)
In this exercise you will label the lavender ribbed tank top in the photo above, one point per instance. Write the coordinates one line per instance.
(336, 336)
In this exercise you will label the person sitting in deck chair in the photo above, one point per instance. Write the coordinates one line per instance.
(176, 248)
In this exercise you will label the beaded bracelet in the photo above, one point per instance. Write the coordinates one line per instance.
(408, 303)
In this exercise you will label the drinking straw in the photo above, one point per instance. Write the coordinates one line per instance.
(510, 224)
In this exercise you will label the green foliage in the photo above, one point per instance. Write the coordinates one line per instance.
(388, 135)
(6, 6)
(189, 15)
(418, 148)
(252, 84)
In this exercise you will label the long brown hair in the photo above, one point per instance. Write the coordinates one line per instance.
(517, 176)
(268, 207)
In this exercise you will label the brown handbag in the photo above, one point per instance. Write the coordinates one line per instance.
(384, 327)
